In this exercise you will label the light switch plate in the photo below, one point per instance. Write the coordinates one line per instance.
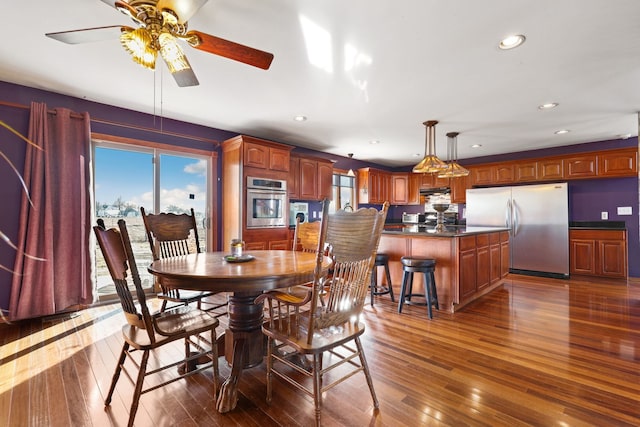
(604, 215)
(625, 210)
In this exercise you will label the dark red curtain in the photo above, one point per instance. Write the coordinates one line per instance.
(56, 227)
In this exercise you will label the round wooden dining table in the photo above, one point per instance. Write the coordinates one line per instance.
(266, 270)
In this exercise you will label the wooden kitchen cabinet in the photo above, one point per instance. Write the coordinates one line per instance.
(525, 171)
(310, 178)
(504, 173)
(325, 180)
(583, 166)
(618, 163)
(622, 162)
(482, 175)
(459, 188)
(550, 169)
(505, 254)
(468, 266)
(373, 186)
(598, 253)
(244, 156)
(259, 155)
(399, 189)
(293, 179)
(415, 181)
(483, 262)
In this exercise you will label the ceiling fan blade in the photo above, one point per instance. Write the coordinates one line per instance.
(87, 35)
(229, 49)
(184, 9)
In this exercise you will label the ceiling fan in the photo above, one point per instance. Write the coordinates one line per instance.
(160, 24)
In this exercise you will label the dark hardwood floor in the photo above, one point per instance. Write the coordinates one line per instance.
(533, 352)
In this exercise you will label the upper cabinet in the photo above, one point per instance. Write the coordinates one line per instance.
(602, 164)
(618, 163)
(583, 166)
(400, 189)
(310, 178)
(374, 186)
(259, 153)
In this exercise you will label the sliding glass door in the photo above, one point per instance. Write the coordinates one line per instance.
(128, 177)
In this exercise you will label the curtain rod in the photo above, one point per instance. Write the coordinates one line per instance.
(216, 143)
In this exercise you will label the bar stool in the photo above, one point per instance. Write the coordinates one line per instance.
(382, 260)
(427, 266)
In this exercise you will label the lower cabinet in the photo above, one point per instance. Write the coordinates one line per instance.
(263, 239)
(598, 253)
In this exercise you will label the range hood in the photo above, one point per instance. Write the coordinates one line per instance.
(432, 191)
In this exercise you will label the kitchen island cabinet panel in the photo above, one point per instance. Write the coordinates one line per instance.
(463, 267)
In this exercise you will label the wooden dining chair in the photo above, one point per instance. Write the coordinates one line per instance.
(172, 235)
(306, 235)
(352, 239)
(146, 332)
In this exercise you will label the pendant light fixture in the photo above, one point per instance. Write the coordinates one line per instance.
(453, 169)
(350, 172)
(431, 163)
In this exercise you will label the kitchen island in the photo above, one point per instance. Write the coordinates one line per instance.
(470, 261)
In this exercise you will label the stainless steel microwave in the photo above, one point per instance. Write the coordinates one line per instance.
(266, 201)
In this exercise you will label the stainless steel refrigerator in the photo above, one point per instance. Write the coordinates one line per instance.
(538, 220)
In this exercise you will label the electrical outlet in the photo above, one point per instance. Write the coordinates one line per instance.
(625, 210)
(604, 215)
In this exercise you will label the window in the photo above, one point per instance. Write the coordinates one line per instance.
(127, 177)
(344, 193)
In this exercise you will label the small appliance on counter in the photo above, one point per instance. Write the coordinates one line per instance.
(298, 210)
(412, 218)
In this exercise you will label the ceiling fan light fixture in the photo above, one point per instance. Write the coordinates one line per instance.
(453, 169)
(172, 53)
(138, 43)
(430, 163)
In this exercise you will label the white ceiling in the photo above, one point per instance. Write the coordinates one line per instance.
(417, 60)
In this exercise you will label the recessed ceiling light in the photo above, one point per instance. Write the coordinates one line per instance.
(476, 146)
(512, 42)
(300, 118)
(562, 131)
(374, 142)
(624, 136)
(547, 106)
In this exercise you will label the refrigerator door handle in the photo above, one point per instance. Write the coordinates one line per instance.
(514, 208)
(507, 216)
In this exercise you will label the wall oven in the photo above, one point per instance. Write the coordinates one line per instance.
(266, 201)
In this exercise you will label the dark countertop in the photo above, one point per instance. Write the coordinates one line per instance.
(429, 231)
(598, 225)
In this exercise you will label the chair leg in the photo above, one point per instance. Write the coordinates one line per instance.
(367, 374)
(374, 283)
(214, 359)
(270, 344)
(116, 374)
(317, 385)
(138, 390)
